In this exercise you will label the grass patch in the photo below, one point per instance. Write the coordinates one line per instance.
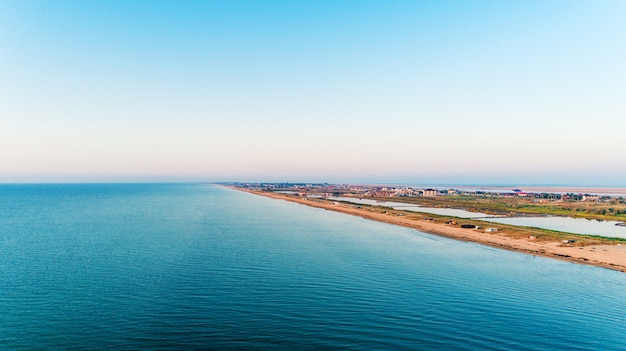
(499, 205)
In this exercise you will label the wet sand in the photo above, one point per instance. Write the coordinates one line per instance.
(606, 256)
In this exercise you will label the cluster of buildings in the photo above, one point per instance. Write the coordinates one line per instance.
(325, 189)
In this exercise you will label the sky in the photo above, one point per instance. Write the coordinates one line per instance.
(431, 92)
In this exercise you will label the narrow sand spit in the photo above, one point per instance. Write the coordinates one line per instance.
(606, 256)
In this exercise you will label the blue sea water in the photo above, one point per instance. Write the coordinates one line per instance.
(194, 267)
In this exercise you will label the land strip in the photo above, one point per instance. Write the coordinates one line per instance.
(584, 249)
(609, 211)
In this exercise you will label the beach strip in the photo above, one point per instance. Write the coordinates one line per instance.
(605, 256)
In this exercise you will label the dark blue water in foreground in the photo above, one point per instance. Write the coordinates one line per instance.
(170, 267)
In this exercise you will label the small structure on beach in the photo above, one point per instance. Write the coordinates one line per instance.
(491, 230)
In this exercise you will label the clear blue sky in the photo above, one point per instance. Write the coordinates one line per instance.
(514, 92)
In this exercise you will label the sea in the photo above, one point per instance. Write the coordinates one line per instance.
(203, 267)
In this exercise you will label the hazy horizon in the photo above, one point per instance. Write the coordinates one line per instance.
(300, 181)
(419, 92)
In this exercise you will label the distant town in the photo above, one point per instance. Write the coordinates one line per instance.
(327, 190)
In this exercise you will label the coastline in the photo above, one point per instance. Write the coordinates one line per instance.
(605, 256)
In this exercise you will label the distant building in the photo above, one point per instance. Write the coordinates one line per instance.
(588, 197)
(519, 192)
(430, 192)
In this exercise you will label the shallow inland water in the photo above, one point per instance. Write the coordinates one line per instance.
(416, 208)
(192, 266)
(568, 224)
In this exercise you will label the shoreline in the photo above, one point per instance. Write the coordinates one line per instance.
(605, 256)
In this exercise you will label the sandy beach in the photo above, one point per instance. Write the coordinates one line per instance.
(606, 256)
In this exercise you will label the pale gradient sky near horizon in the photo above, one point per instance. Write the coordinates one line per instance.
(437, 92)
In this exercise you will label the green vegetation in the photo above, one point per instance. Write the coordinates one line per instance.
(613, 209)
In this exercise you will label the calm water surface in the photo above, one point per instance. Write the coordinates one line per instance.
(417, 208)
(568, 224)
(169, 267)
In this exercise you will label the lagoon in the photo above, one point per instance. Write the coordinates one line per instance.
(413, 207)
(567, 224)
